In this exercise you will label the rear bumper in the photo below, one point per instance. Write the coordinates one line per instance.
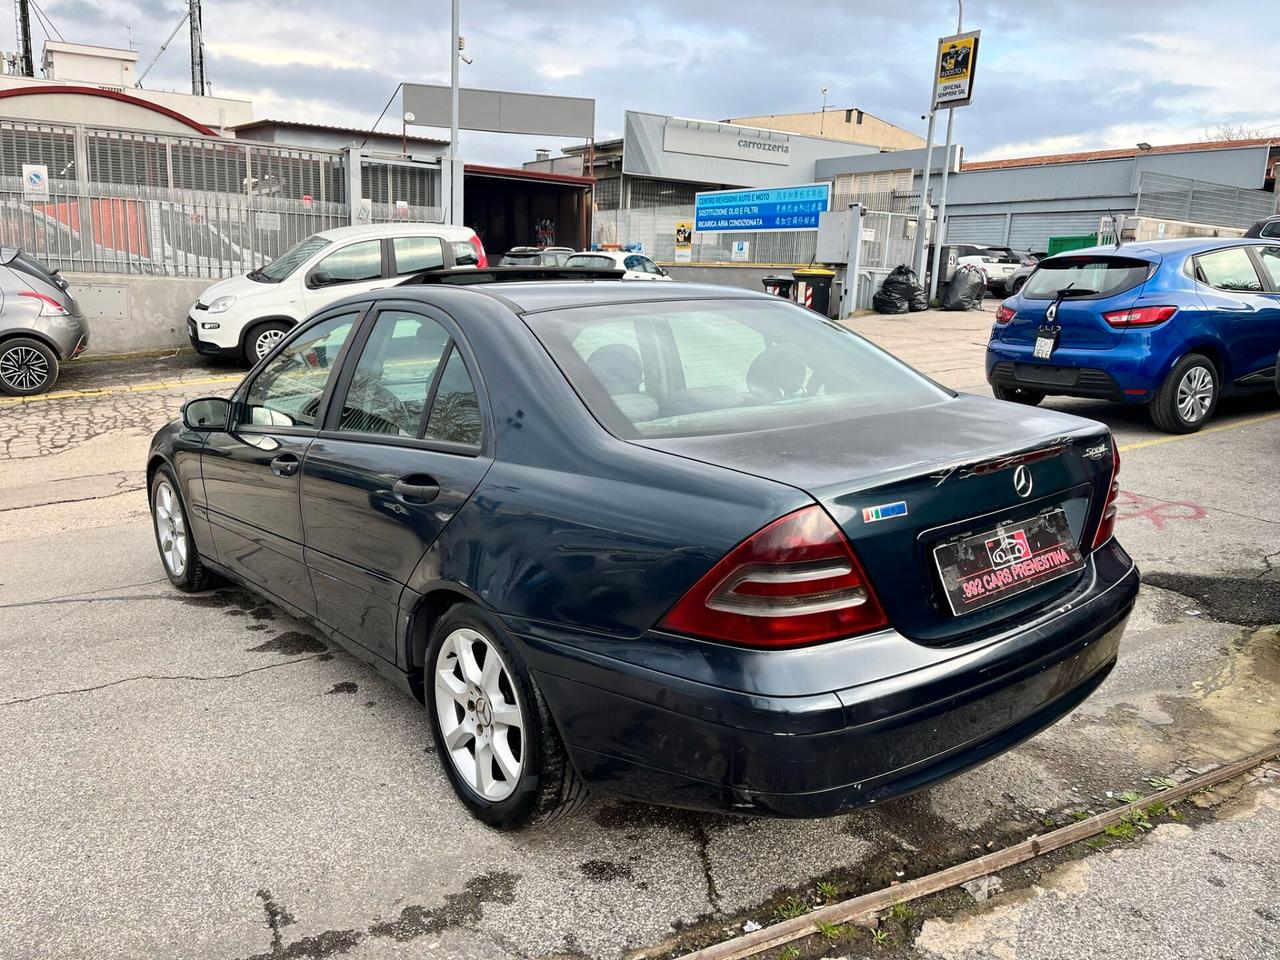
(1058, 380)
(663, 738)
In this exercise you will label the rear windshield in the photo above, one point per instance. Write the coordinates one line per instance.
(694, 368)
(592, 263)
(512, 259)
(1085, 277)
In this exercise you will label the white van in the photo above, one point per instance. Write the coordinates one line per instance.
(244, 317)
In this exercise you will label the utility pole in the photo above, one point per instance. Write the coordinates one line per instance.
(197, 48)
(922, 215)
(455, 215)
(940, 230)
(26, 61)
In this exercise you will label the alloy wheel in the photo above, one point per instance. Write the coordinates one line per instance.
(171, 529)
(1195, 394)
(266, 341)
(479, 713)
(23, 368)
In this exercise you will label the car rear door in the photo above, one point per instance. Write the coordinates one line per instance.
(402, 449)
(1245, 315)
(356, 267)
(251, 470)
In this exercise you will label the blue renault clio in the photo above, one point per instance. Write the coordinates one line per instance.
(1173, 324)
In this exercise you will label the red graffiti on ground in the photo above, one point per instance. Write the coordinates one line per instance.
(1132, 506)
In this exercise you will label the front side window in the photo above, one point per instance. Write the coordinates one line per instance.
(289, 261)
(287, 392)
(392, 381)
(415, 254)
(359, 261)
(722, 367)
(455, 410)
(1270, 257)
(1229, 269)
(1086, 277)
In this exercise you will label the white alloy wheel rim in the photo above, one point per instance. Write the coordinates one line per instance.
(23, 368)
(266, 340)
(479, 714)
(1195, 394)
(171, 529)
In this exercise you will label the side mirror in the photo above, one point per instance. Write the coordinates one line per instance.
(662, 272)
(206, 414)
(321, 278)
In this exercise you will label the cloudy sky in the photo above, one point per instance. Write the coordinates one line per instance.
(1055, 75)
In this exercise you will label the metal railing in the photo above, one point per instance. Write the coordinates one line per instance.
(1165, 197)
(121, 201)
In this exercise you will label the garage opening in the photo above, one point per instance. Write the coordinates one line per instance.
(515, 208)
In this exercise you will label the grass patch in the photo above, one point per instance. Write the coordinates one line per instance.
(1130, 796)
(830, 931)
(790, 908)
(1155, 808)
(900, 911)
(828, 890)
(880, 937)
(1124, 830)
(789, 952)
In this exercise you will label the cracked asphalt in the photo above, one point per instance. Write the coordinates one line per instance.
(201, 777)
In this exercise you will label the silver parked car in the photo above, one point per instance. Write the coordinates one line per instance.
(41, 326)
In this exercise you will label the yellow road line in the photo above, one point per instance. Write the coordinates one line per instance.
(128, 388)
(1156, 441)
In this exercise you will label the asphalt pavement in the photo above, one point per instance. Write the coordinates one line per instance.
(202, 777)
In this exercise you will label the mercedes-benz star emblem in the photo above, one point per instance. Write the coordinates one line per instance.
(1022, 481)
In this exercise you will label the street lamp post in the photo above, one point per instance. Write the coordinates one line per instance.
(940, 228)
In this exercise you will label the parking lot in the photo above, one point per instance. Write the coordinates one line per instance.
(201, 776)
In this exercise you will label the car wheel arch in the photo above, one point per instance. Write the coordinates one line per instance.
(27, 334)
(259, 321)
(1214, 352)
(426, 613)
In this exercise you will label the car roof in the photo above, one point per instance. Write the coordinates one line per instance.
(443, 230)
(1159, 249)
(538, 295)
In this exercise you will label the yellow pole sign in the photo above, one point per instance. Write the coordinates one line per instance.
(954, 71)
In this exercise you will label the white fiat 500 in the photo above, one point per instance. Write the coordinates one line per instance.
(244, 317)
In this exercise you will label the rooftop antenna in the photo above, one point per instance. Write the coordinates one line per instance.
(197, 48)
(22, 15)
(163, 46)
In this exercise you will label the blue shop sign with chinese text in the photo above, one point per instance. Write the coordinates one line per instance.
(778, 208)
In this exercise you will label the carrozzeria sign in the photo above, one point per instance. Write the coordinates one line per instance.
(727, 142)
(781, 208)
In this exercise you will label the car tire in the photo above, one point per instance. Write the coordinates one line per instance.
(1018, 395)
(27, 367)
(178, 553)
(529, 780)
(1017, 285)
(262, 339)
(1188, 397)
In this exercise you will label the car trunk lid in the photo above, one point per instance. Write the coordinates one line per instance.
(900, 485)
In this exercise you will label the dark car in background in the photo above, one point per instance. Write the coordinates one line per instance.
(1268, 228)
(1172, 324)
(535, 257)
(689, 544)
(41, 325)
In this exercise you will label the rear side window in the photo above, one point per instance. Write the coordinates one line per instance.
(1086, 278)
(678, 369)
(455, 408)
(1272, 229)
(1229, 269)
(1270, 257)
(415, 254)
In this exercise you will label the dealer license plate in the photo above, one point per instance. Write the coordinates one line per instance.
(986, 568)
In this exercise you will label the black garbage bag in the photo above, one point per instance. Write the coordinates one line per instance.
(966, 289)
(899, 292)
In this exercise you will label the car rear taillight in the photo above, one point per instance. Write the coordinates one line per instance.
(1139, 316)
(796, 581)
(481, 257)
(1107, 525)
(1005, 314)
(49, 307)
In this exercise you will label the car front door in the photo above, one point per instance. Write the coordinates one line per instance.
(355, 268)
(1269, 260)
(402, 450)
(1232, 289)
(251, 470)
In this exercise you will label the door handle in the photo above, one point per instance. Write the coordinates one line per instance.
(285, 465)
(416, 489)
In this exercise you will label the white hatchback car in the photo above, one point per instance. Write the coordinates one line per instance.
(636, 265)
(245, 317)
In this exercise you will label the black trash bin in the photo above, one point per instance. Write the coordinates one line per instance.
(778, 286)
(813, 288)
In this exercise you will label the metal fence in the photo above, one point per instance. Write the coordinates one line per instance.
(888, 240)
(122, 201)
(1165, 197)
